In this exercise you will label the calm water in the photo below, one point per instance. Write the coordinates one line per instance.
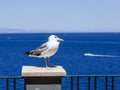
(79, 54)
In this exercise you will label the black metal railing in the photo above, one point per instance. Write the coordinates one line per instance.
(11, 83)
(69, 82)
(94, 82)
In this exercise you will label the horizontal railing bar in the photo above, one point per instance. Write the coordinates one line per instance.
(93, 75)
(10, 77)
(17, 77)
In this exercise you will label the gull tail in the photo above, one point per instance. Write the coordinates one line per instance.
(28, 53)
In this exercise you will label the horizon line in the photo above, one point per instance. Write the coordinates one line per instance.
(14, 30)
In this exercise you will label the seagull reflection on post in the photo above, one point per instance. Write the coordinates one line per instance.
(46, 50)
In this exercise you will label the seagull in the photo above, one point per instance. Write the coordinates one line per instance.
(47, 49)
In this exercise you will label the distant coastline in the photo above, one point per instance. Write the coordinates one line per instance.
(13, 30)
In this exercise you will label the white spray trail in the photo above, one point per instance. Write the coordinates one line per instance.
(98, 55)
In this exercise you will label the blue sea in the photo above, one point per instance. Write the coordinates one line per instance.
(79, 54)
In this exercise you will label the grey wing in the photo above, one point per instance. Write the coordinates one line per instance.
(40, 49)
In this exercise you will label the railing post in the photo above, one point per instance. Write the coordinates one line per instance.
(78, 83)
(88, 82)
(7, 83)
(71, 83)
(43, 78)
(112, 82)
(106, 82)
(95, 83)
(14, 83)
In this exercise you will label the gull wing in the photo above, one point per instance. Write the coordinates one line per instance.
(41, 49)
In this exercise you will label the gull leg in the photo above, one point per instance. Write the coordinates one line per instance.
(48, 62)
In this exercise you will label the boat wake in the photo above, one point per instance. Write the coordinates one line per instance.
(98, 55)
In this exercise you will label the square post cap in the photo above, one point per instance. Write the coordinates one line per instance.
(34, 71)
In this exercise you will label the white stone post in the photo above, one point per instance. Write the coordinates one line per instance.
(43, 78)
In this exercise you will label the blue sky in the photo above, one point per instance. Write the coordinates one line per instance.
(60, 15)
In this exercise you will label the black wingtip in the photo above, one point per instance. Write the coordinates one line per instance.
(27, 53)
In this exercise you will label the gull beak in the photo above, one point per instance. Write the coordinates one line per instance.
(60, 40)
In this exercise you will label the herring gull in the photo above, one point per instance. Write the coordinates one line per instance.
(46, 50)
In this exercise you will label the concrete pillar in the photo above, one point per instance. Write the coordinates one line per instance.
(42, 78)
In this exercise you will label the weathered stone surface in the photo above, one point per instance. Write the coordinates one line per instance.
(34, 71)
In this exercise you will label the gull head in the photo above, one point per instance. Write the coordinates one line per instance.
(55, 38)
